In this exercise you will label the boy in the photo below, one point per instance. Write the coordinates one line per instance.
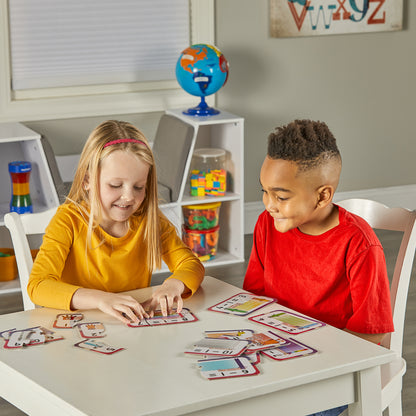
(310, 254)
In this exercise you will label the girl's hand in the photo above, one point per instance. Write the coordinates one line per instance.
(165, 296)
(122, 307)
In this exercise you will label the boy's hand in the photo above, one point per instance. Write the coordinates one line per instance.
(122, 307)
(165, 296)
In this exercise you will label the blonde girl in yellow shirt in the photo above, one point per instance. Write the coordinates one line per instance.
(109, 235)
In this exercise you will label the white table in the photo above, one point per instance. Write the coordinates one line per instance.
(154, 377)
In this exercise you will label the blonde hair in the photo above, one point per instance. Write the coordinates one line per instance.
(94, 152)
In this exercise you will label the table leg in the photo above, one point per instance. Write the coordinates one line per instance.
(368, 393)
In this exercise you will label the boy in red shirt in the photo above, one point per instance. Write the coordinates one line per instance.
(308, 253)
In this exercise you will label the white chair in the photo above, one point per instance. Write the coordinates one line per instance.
(20, 226)
(381, 217)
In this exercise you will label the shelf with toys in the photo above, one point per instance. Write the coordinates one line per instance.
(19, 143)
(223, 131)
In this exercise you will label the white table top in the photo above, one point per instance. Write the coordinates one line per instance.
(153, 376)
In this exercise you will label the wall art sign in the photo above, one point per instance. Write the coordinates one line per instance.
(328, 17)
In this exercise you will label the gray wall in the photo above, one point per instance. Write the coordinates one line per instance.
(362, 85)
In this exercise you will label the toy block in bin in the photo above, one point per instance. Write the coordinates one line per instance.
(8, 265)
(212, 183)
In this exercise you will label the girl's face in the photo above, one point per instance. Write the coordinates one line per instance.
(290, 198)
(122, 186)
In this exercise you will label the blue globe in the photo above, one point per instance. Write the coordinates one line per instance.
(201, 70)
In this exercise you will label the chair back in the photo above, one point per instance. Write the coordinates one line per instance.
(382, 217)
(20, 226)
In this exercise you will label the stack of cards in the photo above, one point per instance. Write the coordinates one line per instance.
(237, 351)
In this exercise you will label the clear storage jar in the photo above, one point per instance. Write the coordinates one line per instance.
(208, 173)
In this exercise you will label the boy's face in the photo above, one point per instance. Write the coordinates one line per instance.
(291, 198)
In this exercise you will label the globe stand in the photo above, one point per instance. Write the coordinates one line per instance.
(201, 110)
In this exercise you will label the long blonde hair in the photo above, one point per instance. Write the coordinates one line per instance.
(89, 168)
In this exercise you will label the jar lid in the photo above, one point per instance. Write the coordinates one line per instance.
(203, 206)
(209, 152)
(20, 167)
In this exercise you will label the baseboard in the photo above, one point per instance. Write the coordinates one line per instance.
(393, 196)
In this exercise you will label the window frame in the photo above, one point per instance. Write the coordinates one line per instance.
(95, 100)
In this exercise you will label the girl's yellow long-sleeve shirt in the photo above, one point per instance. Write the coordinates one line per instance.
(66, 262)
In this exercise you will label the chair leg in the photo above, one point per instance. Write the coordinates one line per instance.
(395, 407)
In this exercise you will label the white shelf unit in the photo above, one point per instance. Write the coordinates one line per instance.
(225, 131)
(17, 142)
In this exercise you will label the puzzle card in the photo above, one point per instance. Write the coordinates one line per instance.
(226, 367)
(263, 341)
(97, 346)
(230, 334)
(291, 349)
(91, 329)
(67, 320)
(287, 321)
(241, 304)
(158, 319)
(218, 346)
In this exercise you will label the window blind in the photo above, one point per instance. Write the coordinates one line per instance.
(61, 43)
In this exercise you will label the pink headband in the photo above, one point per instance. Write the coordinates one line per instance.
(124, 141)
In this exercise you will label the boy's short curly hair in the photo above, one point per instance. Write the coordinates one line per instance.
(307, 143)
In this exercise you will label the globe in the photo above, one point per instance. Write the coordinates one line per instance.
(201, 70)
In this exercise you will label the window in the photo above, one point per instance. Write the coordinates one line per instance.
(96, 72)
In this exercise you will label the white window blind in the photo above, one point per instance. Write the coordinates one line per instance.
(59, 43)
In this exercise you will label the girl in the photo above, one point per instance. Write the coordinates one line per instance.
(110, 235)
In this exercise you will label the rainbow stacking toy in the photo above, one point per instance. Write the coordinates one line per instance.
(20, 201)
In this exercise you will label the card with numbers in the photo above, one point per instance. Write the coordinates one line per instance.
(242, 304)
(218, 346)
(97, 346)
(226, 367)
(293, 348)
(158, 319)
(287, 321)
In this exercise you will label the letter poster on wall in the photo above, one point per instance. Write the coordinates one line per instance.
(328, 17)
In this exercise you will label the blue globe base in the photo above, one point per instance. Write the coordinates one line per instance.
(201, 110)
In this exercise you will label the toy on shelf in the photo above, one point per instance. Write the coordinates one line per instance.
(202, 242)
(201, 217)
(20, 201)
(208, 174)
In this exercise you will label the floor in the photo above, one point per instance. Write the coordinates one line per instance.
(233, 274)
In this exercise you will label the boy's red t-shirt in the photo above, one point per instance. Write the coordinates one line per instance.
(338, 277)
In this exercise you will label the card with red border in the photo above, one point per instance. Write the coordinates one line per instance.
(67, 320)
(97, 346)
(184, 316)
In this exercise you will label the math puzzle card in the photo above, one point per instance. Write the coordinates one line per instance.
(91, 329)
(291, 349)
(241, 304)
(97, 346)
(258, 340)
(29, 336)
(226, 367)
(158, 319)
(218, 346)
(287, 321)
(67, 320)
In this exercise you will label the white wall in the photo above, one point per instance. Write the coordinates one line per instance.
(362, 85)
